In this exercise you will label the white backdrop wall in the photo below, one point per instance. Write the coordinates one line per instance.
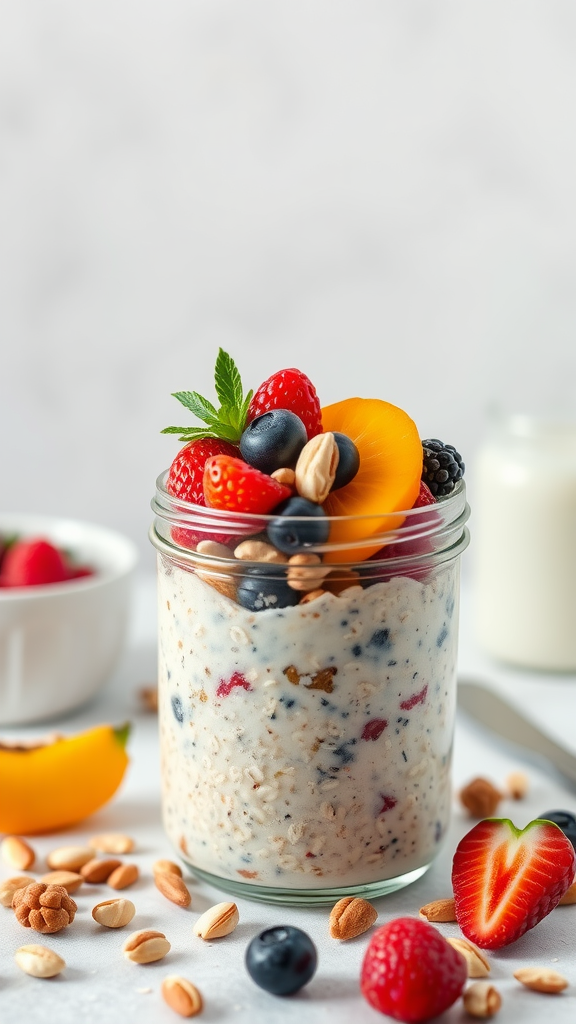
(380, 193)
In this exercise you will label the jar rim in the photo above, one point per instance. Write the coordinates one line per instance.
(442, 525)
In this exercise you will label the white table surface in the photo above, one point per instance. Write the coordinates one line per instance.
(100, 986)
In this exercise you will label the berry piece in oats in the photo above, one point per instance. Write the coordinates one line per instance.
(374, 729)
(225, 686)
(505, 879)
(411, 972)
(281, 960)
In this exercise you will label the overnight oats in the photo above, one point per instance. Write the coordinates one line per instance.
(308, 626)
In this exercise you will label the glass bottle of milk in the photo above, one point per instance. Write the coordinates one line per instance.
(525, 538)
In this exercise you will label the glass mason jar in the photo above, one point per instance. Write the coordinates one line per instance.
(306, 705)
(525, 547)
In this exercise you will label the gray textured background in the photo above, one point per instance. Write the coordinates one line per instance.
(381, 193)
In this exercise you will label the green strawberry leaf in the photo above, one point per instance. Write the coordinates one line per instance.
(229, 421)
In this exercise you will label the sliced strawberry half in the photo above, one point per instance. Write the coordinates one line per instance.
(233, 485)
(506, 880)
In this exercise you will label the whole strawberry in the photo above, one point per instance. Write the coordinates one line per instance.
(186, 473)
(411, 972)
(33, 562)
(293, 390)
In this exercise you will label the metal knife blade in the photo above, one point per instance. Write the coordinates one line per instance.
(496, 714)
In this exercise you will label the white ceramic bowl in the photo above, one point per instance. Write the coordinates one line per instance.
(60, 643)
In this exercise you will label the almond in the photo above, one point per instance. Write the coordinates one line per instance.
(10, 885)
(166, 867)
(114, 913)
(439, 910)
(16, 852)
(478, 965)
(350, 917)
(95, 870)
(481, 1000)
(216, 922)
(112, 842)
(39, 961)
(71, 880)
(541, 979)
(181, 995)
(69, 858)
(173, 888)
(145, 946)
(123, 876)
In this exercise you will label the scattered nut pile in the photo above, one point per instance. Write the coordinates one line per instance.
(46, 906)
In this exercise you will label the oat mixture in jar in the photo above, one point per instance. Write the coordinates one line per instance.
(308, 630)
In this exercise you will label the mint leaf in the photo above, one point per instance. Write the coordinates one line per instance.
(227, 422)
(227, 380)
(200, 406)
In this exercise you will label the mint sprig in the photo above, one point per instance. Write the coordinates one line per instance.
(229, 421)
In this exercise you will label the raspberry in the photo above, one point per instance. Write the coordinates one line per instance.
(293, 390)
(410, 972)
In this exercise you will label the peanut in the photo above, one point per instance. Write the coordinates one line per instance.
(439, 910)
(69, 858)
(39, 961)
(216, 922)
(71, 880)
(541, 979)
(145, 946)
(112, 842)
(181, 995)
(17, 852)
(481, 1000)
(350, 917)
(10, 885)
(114, 913)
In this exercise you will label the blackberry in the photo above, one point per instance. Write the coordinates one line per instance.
(442, 468)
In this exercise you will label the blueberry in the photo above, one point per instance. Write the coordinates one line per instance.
(565, 820)
(348, 463)
(281, 960)
(273, 440)
(177, 709)
(290, 535)
(260, 589)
